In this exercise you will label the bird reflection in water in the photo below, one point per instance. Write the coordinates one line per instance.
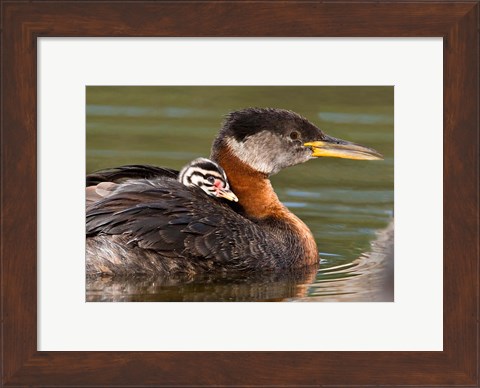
(225, 287)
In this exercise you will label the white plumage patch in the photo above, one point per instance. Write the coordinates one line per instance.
(253, 151)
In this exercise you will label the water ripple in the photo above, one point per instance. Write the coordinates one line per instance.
(355, 118)
(145, 111)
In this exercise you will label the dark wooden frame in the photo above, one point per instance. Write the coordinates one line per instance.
(457, 22)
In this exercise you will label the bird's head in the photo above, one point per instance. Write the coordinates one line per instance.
(268, 140)
(208, 176)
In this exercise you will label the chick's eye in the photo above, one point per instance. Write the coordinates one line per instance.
(294, 135)
(210, 179)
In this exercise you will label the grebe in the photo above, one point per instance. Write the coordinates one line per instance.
(168, 228)
(208, 176)
(201, 172)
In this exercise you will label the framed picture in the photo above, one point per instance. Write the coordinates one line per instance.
(28, 360)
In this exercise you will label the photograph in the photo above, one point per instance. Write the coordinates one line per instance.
(239, 193)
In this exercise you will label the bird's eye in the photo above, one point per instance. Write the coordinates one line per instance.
(294, 135)
(210, 179)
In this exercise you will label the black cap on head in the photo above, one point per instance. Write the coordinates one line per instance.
(250, 121)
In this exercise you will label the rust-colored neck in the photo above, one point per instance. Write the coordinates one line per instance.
(253, 189)
(259, 201)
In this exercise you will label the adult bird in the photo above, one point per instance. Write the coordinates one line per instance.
(153, 224)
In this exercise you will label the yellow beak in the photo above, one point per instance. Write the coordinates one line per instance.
(337, 148)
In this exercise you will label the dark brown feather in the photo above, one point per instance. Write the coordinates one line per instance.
(134, 171)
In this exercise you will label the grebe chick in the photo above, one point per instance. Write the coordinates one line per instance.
(208, 176)
(153, 224)
(201, 172)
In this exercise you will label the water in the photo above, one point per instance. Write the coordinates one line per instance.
(347, 204)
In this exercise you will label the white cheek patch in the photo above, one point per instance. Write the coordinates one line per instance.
(262, 151)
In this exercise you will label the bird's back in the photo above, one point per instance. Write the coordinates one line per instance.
(133, 171)
(159, 225)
